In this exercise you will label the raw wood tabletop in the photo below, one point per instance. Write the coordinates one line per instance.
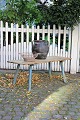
(37, 61)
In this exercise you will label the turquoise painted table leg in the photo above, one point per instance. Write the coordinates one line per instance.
(49, 67)
(16, 73)
(63, 73)
(30, 77)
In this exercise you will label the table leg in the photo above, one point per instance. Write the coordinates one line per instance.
(49, 67)
(16, 73)
(63, 73)
(30, 77)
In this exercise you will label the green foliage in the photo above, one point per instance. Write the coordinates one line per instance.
(21, 12)
(61, 12)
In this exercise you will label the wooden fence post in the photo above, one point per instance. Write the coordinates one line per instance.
(0, 35)
(74, 50)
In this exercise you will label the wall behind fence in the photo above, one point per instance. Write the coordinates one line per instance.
(15, 40)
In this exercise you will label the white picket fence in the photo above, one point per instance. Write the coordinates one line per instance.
(11, 51)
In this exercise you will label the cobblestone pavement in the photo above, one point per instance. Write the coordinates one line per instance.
(48, 100)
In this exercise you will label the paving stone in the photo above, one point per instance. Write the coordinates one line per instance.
(68, 117)
(24, 108)
(12, 113)
(68, 106)
(54, 112)
(75, 117)
(2, 112)
(16, 118)
(61, 112)
(72, 103)
(1, 107)
(8, 109)
(0, 117)
(17, 109)
(73, 109)
(19, 113)
(78, 113)
(7, 118)
(65, 109)
(44, 119)
(77, 106)
(57, 116)
(72, 113)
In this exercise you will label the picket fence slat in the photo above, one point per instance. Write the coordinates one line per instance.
(64, 41)
(9, 54)
(43, 34)
(1, 61)
(49, 34)
(4, 57)
(17, 39)
(11, 41)
(69, 47)
(53, 48)
(59, 38)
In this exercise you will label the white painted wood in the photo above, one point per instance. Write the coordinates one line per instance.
(49, 34)
(25, 47)
(78, 50)
(12, 51)
(56, 55)
(9, 51)
(61, 53)
(17, 42)
(65, 63)
(15, 53)
(53, 48)
(1, 58)
(43, 66)
(38, 38)
(22, 39)
(64, 42)
(43, 33)
(12, 43)
(69, 48)
(6, 37)
(32, 33)
(27, 40)
(59, 38)
(74, 50)
(4, 57)
(38, 32)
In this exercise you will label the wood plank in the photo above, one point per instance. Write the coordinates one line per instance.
(37, 61)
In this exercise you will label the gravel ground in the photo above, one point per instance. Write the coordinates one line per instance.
(48, 99)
